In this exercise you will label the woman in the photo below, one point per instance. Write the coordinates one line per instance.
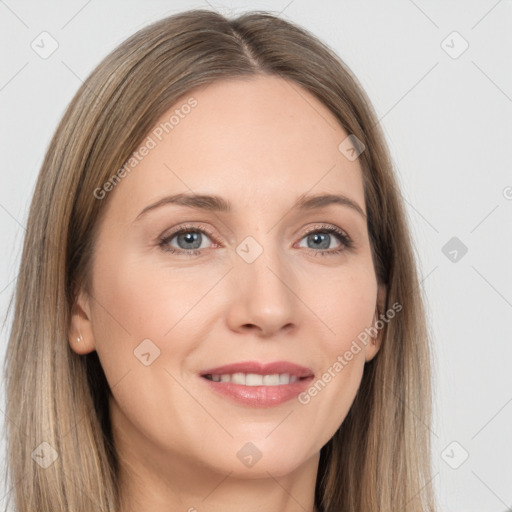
(218, 306)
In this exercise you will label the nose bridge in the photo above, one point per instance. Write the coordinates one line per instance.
(263, 286)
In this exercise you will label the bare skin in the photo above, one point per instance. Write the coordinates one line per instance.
(259, 144)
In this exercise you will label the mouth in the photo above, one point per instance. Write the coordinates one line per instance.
(253, 379)
(259, 384)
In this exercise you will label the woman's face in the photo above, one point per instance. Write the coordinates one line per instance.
(265, 281)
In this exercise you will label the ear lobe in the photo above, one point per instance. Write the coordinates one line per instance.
(80, 335)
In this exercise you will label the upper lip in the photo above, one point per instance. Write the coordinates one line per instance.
(276, 367)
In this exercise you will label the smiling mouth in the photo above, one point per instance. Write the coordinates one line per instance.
(254, 379)
(258, 384)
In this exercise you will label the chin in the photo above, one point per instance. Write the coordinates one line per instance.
(258, 458)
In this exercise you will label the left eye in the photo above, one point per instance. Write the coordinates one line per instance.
(321, 239)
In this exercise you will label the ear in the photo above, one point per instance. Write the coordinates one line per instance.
(376, 334)
(80, 335)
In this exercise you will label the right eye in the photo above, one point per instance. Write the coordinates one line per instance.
(189, 240)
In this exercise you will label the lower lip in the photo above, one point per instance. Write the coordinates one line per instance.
(259, 396)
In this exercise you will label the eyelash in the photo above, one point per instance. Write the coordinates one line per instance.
(346, 241)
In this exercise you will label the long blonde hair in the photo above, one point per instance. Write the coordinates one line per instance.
(379, 459)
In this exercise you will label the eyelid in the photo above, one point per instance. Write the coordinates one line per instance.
(325, 227)
(189, 227)
(184, 228)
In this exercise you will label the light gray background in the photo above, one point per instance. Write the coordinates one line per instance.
(448, 122)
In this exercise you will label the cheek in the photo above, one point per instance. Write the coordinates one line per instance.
(137, 301)
(146, 299)
(135, 308)
(346, 304)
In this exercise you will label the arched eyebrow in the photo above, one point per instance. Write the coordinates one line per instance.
(213, 203)
(311, 202)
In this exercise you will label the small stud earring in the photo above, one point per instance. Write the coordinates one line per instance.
(79, 339)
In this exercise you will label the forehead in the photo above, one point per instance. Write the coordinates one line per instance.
(256, 140)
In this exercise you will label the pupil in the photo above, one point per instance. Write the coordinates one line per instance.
(191, 238)
(323, 238)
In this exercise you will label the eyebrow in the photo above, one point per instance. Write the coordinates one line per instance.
(213, 203)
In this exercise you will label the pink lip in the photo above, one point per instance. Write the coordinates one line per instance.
(260, 396)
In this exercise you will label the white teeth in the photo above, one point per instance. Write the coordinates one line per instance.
(284, 378)
(254, 379)
(271, 380)
(238, 378)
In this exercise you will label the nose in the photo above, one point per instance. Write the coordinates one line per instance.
(263, 299)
